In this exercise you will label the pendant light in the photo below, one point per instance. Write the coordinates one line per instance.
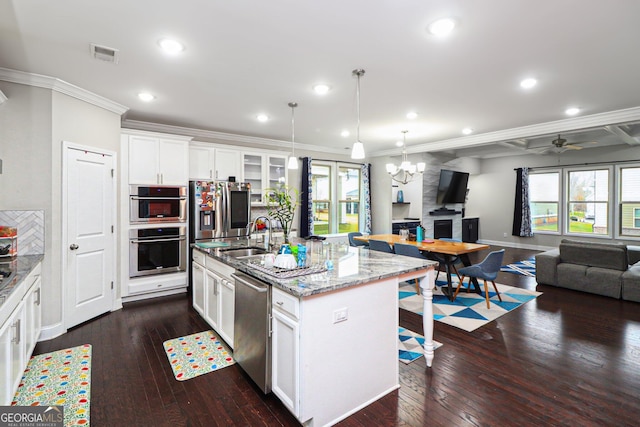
(293, 162)
(357, 152)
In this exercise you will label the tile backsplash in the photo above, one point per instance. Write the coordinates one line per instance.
(30, 226)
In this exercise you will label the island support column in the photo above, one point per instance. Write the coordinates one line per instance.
(426, 286)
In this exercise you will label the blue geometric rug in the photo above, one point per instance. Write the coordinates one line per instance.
(469, 310)
(412, 345)
(523, 268)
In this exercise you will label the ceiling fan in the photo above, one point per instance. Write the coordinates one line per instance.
(559, 145)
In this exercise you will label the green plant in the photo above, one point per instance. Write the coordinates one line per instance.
(281, 205)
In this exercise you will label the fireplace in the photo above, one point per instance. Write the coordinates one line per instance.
(443, 228)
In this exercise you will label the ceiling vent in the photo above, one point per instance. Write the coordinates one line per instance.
(104, 53)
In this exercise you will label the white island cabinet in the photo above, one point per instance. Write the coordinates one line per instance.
(336, 352)
(214, 294)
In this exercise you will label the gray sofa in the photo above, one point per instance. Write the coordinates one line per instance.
(609, 269)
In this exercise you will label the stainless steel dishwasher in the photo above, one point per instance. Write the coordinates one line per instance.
(252, 329)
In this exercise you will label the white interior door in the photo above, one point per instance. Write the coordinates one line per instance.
(90, 247)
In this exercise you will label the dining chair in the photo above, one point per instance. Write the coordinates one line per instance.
(412, 251)
(354, 242)
(380, 245)
(487, 269)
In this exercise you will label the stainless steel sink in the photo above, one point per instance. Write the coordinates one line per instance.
(243, 252)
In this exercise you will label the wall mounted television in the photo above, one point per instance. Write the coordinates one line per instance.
(452, 187)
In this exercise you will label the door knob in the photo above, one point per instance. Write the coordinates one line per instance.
(73, 247)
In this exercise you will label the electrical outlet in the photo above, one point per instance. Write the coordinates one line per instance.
(505, 235)
(340, 315)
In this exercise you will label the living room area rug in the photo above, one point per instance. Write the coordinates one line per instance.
(469, 310)
(59, 378)
(525, 267)
(197, 354)
(412, 345)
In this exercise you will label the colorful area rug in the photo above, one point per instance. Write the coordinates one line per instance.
(526, 267)
(412, 345)
(59, 378)
(469, 310)
(196, 355)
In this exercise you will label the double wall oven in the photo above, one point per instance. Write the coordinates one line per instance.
(157, 236)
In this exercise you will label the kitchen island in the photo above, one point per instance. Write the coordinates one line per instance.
(335, 333)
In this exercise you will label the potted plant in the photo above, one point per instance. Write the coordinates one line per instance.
(281, 205)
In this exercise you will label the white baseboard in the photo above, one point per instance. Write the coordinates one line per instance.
(50, 332)
(140, 297)
(517, 245)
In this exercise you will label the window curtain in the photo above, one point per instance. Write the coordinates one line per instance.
(521, 209)
(306, 199)
(366, 188)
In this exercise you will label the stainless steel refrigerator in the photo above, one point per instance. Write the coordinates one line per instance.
(219, 209)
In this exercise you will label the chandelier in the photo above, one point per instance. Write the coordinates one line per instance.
(406, 171)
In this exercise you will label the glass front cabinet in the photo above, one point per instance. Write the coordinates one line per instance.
(263, 171)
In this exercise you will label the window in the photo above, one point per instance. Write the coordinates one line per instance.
(630, 201)
(336, 197)
(544, 199)
(588, 202)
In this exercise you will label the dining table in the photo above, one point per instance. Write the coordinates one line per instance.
(445, 251)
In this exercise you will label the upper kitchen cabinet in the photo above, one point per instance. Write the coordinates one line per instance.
(263, 170)
(208, 162)
(157, 158)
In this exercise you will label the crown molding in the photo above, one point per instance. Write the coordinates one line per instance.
(57, 85)
(3, 97)
(225, 138)
(541, 129)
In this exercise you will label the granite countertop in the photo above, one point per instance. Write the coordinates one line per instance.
(10, 290)
(352, 266)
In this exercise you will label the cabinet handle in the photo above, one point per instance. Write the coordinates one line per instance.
(210, 173)
(16, 325)
(280, 302)
(158, 178)
(38, 300)
(196, 267)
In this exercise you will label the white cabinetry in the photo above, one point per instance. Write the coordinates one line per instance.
(198, 278)
(214, 294)
(263, 171)
(157, 158)
(19, 334)
(211, 162)
(322, 387)
(212, 299)
(285, 344)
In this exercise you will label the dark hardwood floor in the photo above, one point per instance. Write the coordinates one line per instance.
(567, 358)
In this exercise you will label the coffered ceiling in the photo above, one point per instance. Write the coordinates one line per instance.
(247, 57)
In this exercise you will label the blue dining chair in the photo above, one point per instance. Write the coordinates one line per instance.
(354, 242)
(380, 245)
(486, 270)
(412, 251)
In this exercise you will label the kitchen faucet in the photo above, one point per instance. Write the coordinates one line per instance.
(253, 229)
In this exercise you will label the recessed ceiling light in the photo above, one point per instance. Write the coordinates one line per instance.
(262, 118)
(412, 115)
(345, 133)
(572, 111)
(528, 83)
(171, 46)
(321, 88)
(399, 143)
(467, 131)
(442, 27)
(146, 97)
